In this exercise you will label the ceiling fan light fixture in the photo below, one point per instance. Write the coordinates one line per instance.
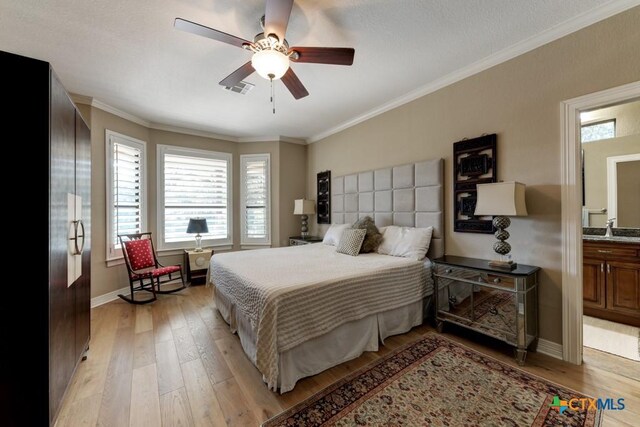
(270, 64)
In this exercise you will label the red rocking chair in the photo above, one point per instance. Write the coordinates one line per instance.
(145, 272)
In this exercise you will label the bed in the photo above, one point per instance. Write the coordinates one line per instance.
(300, 310)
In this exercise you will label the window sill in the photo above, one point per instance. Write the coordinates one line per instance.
(113, 262)
(247, 246)
(180, 251)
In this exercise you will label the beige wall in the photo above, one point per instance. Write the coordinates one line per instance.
(107, 279)
(293, 172)
(629, 194)
(627, 117)
(595, 173)
(520, 101)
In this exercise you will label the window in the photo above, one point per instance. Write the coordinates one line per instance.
(255, 199)
(599, 130)
(193, 184)
(126, 189)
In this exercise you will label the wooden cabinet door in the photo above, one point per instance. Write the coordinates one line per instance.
(623, 288)
(62, 328)
(83, 189)
(593, 277)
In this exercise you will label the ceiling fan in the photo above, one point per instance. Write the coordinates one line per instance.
(271, 52)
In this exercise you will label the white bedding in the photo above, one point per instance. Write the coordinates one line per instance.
(294, 294)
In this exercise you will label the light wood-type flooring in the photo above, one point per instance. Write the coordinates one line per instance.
(175, 363)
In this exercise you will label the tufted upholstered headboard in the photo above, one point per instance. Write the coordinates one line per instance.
(408, 195)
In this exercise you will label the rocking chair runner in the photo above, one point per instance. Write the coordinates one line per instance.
(144, 270)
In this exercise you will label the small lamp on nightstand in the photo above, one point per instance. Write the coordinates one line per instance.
(304, 207)
(502, 199)
(198, 225)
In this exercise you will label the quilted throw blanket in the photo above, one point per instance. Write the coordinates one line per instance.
(294, 294)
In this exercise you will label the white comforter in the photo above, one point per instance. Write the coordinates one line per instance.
(293, 294)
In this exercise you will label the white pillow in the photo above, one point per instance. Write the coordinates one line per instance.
(408, 242)
(333, 234)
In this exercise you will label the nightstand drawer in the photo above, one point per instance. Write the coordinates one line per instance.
(475, 276)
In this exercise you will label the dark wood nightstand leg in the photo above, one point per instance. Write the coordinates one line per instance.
(439, 326)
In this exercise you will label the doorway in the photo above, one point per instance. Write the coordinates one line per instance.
(610, 148)
(571, 195)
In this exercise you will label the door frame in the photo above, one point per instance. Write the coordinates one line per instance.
(571, 198)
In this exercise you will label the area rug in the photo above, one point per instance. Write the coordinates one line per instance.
(436, 382)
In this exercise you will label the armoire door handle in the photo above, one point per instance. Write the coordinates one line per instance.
(77, 250)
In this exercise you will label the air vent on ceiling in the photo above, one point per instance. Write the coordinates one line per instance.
(241, 88)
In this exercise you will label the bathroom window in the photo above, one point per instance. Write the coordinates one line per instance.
(598, 130)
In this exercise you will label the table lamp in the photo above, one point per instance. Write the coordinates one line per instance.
(198, 225)
(502, 199)
(304, 207)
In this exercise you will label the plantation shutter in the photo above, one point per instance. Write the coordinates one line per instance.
(195, 187)
(126, 191)
(255, 177)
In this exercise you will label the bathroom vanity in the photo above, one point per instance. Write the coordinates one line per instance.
(611, 278)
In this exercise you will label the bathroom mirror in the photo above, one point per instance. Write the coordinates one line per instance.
(611, 165)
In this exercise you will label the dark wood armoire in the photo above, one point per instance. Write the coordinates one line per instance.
(49, 189)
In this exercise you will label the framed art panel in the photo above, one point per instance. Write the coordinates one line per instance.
(474, 162)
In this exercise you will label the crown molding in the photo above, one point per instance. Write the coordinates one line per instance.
(87, 100)
(194, 132)
(117, 112)
(272, 138)
(565, 28)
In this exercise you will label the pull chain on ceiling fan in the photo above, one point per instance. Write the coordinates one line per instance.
(272, 56)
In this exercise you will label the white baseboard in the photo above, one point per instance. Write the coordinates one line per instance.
(108, 297)
(550, 348)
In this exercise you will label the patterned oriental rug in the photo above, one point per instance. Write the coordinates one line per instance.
(436, 382)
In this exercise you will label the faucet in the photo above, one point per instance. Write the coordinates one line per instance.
(609, 232)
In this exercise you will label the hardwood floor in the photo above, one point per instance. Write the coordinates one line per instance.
(175, 363)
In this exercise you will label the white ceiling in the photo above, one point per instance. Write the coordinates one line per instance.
(127, 54)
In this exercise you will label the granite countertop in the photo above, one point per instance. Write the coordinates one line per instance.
(617, 239)
(621, 235)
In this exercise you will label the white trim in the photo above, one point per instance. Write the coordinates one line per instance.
(193, 152)
(117, 112)
(560, 30)
(571, 196)
(549, 348)
(114, 262)
(612, 183)
(87, 100)
(108, 297)
(244, 241)
(189, 247)
(108, 146)
(194, 132)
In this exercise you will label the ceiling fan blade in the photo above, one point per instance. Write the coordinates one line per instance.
(201, 30)
(238, 75)
(324, 55)
(276, 17)
(293, 83)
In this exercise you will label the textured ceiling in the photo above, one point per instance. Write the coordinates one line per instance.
(127, 54)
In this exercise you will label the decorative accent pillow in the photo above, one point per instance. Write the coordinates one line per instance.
(333, 234)
(408, 242)
(373, 237)
(351, 241)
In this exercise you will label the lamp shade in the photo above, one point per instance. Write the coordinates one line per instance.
(197, 225)
(501, 198)
(304, 207)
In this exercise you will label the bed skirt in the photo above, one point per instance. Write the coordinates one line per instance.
(343, 343)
